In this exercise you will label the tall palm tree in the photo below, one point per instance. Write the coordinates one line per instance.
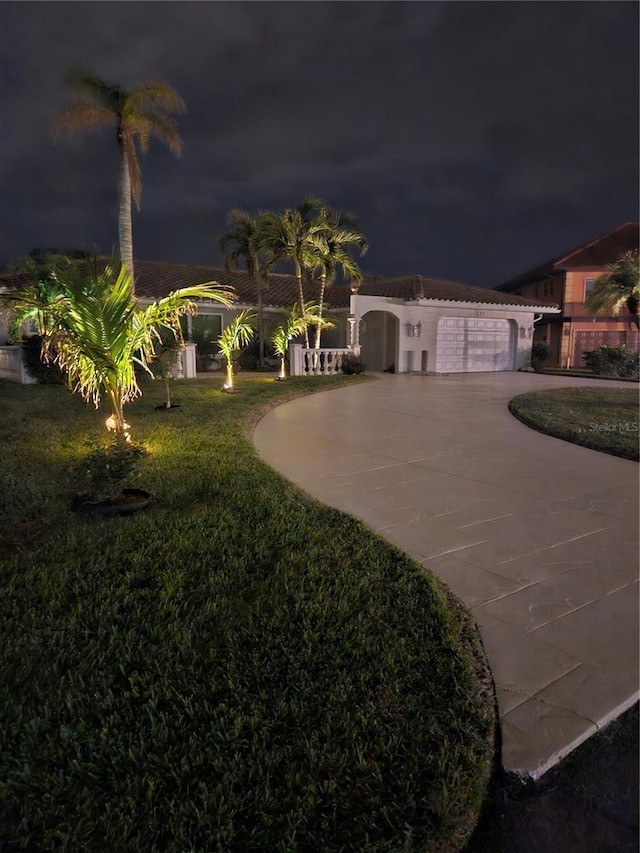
(247, 235)
(145, 110)
(291, 237)
(338, 233)
(234, 338)
(618, 288)
(97, 334)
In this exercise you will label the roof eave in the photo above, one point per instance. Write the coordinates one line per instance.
(491, 306)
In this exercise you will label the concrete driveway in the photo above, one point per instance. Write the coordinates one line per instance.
(538, 537)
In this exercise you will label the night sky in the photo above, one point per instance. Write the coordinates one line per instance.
(472, 140)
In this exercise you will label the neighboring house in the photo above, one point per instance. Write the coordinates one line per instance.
(567, 280)
(413, 324)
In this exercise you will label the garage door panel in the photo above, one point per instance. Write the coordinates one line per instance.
(480, 345)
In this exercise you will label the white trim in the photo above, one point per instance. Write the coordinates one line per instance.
(483, 306)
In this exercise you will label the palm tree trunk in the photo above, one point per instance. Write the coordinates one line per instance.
(125, 230)
(260, 324)
(229, 383)
(323, 284)
(115, 399)
(302, 305)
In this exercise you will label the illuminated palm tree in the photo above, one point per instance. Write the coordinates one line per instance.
(292, 326)
(338, 233)
(247, 235)
(35, 290)
(618, 288)
(292, 236)
(234, 338)
(137, 114)
(97, 334)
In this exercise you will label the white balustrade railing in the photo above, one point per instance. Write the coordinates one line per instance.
(316, 362)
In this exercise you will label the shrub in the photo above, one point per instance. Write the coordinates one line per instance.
(352, 365)
(44, 372)
(612, 361)
(107, 467)
(540, 352)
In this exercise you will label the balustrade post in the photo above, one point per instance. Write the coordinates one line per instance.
(296, 360)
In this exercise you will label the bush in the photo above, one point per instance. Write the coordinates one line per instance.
(44, 372)
(540, 352)
(352, 365)
(107, 467)
(612, 361)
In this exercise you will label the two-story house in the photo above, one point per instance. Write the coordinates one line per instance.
(567, 280)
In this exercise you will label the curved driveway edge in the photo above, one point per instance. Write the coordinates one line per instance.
(538, 537)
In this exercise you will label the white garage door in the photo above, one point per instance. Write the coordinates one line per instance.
(467, 345)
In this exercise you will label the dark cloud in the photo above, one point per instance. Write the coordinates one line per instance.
(472, 139)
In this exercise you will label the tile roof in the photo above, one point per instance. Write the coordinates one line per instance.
(155, 279)
(424, 287)
(594, 254)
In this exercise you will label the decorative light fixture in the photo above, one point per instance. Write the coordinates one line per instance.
(111, 424)
(414, 330)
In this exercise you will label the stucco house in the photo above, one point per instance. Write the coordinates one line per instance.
(418, 324)
(412, 324)
(567, 280)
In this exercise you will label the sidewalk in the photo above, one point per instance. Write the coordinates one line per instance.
(538, 537)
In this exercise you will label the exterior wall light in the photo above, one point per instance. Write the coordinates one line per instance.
(414, 330)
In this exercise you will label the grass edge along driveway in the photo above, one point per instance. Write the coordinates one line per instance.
(604, 419)
(237, 667)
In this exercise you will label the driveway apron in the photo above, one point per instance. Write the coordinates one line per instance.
(538, 537)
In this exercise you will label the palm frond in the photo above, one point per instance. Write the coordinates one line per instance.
(238, 334)
(618, 288)
(161, 127)
(82, 116)
(153, 94)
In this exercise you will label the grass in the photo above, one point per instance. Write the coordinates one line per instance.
(604, 419)
(235, 668)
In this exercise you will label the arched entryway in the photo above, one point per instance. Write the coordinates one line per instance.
(379, 340)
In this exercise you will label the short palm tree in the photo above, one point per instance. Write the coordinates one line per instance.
(618, 288)
(246, 234)
(291, 327)
(338, 233)
(29, 300)
(147, 109)
(234, 338)
(97, 334)
(294, 325)
(291, 237)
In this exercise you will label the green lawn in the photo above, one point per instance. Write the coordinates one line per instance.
(600, 418)
(235, 668)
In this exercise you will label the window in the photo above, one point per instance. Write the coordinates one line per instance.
(589, 284)
(205, 329)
